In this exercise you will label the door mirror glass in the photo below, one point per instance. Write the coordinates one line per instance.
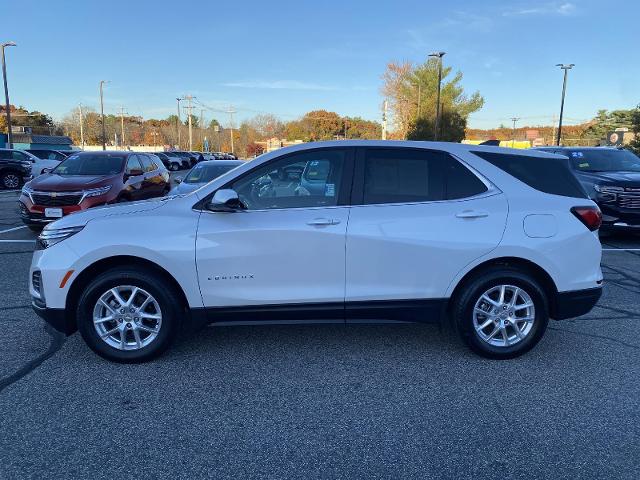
(225, 200)
(47, 170)
(133, 173)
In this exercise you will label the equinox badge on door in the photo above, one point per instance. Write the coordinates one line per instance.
(231, 277)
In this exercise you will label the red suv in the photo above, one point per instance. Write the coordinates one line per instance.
(90, 179)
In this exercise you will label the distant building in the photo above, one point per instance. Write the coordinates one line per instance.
(24, 141)
(275, 143)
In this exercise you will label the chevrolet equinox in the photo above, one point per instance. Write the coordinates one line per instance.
(494, 240)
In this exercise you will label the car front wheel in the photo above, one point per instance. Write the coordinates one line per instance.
(10, 180)
(502, 313)
(128, 315)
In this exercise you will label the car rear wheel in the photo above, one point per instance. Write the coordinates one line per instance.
(502, 313)
(129, 315)
(10, 180)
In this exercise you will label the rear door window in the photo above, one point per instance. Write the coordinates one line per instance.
(147, 166)
(405, 175)
(133, 164)
(548, 175)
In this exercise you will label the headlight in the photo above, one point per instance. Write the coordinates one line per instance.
(607, 189)
(50, 237)
(27, 191)
(96, 192)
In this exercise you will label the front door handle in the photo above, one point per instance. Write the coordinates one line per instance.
(319, 222)
(472, 214)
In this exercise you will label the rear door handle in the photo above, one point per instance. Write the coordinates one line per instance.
(472, 214)
(319, 222)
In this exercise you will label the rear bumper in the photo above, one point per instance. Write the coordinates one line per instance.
(56, 317)
(575, 303)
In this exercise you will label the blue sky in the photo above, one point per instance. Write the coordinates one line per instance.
(291, 57)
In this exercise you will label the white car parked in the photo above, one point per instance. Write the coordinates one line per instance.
(38, 164)
(495, 240)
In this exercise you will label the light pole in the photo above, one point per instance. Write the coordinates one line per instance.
(104, 131)
(566, 67)
(439, 55)
(6, 94)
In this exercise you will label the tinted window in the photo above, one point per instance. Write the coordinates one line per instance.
(411, 175)
(147, 166)
(281, 183)
(91, 164)
(20, 156)
(460, 181)
(549, 175)
(603, 160)
(203, 173)
(5, 154)
(133, 164)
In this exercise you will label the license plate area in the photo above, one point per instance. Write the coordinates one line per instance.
(53, 212)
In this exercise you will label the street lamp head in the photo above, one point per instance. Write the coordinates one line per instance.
(437, 54)
(566, 66)
(9, 44)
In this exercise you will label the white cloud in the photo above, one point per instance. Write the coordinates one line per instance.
(550, 8)
(279, 85)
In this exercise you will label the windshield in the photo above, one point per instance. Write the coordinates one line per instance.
(91, 164)
(206, 173)
(605, 160)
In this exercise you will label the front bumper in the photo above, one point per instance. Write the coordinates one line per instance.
(56, 317)
(614, 217)
(33, 214)
(575, 303)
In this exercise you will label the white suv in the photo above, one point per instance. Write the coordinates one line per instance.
(495, 240)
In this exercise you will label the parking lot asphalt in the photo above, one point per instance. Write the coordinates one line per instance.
(334, 401)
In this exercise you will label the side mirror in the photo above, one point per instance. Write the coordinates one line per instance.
(178, 179)
(47, 170)
(133, 173)
(225, 200)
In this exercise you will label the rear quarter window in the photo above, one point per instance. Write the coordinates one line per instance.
(548, 175)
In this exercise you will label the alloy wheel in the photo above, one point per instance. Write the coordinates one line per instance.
(127, 317)
(11, 180)
(503, 315)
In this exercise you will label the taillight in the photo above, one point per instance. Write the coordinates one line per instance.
(590, 216)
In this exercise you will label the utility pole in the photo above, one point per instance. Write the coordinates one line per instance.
(6, 94)
(189, 108)
(231, 111)
(439, 55)
(81, 126)
(122, 113)
(566, 67)
(178, 121)
(384, 120)
(202, 127)
(104, 131)
(513, 136)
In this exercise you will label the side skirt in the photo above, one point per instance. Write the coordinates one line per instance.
(378, 311)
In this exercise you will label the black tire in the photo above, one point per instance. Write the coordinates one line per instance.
(8, 180)
(464, 303)
(164, 293)
(35, 228)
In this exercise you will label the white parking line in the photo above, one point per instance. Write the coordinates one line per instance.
(17, 241)
(621, 249)
(13, 229)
